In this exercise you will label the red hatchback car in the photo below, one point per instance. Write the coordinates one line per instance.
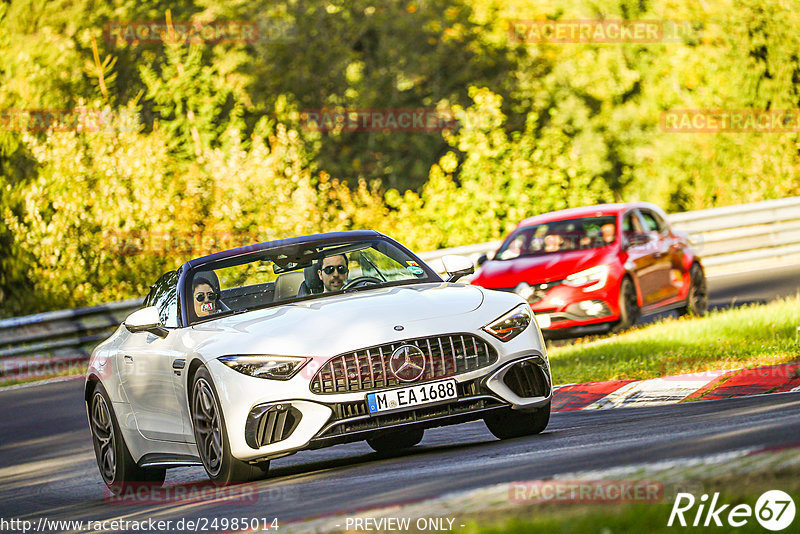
(592, 269)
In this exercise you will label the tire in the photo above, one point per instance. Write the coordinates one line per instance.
(115, 462)
(211, 436)
(396, 441)
(514, 424)
(629, 310)
(697, 299)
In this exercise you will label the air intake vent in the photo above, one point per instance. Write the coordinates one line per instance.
(527, 379)
(269, 424)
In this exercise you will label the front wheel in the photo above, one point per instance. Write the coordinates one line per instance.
(514, 424)
(697, 299)
(212, 438)
(117, 467)
(396, 441)
(628, 306)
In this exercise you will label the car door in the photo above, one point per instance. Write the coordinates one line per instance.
(148, 372)
(663, 284)
(673, 247)
(639, 255)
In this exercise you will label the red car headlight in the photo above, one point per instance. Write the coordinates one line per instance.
(596, 276)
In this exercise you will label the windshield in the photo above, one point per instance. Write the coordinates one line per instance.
(559, 236)
(310, 270)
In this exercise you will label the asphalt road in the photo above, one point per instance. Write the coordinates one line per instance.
(47, 466)
(754, 287)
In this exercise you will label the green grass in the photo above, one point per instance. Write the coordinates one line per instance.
(608, 519)
(748, 336)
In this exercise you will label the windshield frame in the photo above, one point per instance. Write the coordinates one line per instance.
(253, 252)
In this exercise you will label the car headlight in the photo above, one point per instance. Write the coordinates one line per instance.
(265, 366)
(597, 276)
(511, 324)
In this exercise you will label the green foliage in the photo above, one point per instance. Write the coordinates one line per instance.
(205, 149)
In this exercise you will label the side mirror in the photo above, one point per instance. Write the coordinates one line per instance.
(457, 266)
(483, 258)
(145, 320)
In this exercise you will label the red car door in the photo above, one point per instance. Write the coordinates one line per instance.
(641, 259)
(665, 282)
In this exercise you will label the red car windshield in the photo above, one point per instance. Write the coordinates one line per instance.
(559, 236)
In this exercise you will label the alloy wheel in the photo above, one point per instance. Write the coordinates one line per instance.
(103, 435)
(207, 427)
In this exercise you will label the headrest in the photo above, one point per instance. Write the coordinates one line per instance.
(312, 279)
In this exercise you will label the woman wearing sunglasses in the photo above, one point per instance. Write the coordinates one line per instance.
(205, 297)
(333, 272)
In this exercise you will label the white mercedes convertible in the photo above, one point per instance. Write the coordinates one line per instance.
(262, 351)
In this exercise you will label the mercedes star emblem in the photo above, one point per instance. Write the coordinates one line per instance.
(407, 363)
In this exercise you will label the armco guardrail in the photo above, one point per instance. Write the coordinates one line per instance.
(48, 343)
(733, 236)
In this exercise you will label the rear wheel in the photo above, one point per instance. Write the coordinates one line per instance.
(212, 438)
(513, 423)
(115, 462)
(396, 441)
(628, 306)
(697, 299)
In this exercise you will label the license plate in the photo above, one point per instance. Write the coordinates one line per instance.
(398, 399)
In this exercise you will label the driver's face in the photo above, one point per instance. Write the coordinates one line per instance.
(335, 280)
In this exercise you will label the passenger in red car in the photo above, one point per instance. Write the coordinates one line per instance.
(609, 233)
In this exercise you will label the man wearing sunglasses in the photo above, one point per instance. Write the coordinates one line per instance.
(333, 272)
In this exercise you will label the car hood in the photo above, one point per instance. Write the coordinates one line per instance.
(501, 274)
(336, 324)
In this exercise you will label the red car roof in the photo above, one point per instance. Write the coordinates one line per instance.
(583, 211)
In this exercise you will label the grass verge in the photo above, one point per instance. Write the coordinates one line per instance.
(749, 336)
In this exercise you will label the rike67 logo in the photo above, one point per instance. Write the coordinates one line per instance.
(774, 510)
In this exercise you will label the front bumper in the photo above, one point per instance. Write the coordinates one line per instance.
(569, 309)
(271, 428)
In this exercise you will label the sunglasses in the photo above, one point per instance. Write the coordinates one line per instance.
(330, 268)
(201, 297)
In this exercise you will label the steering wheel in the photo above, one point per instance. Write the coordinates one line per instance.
(361, 280)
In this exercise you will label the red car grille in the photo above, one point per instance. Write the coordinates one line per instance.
(368, 369)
